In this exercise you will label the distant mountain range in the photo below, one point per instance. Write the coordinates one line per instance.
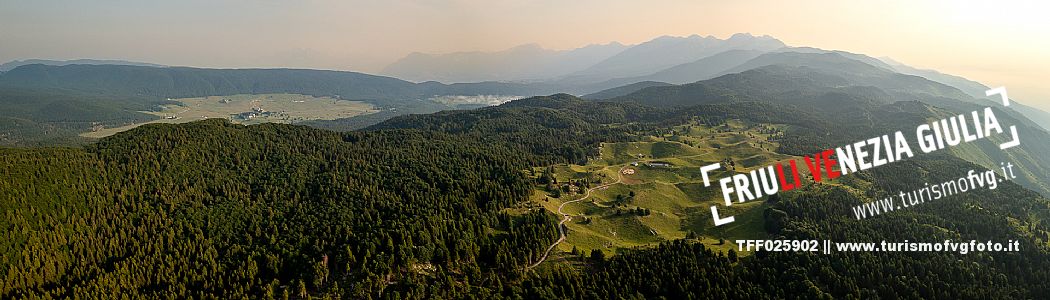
(666, 52)
(841, 96)
(606, 71)
(736, 61)
(597, 71)
(840, 85)
(594, 63)
(973, 88)
(18, 63)
(704, 68)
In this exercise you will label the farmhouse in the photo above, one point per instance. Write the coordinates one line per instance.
(247, 115)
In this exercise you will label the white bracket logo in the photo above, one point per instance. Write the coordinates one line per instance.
(1001, 91)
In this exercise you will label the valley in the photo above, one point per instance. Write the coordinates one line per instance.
(247, 109)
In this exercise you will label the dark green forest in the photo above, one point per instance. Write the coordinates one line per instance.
(413, 209)
(211, 209)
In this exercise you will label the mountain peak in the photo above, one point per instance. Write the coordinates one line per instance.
(741, 35)
(667, 51)
(530, 46)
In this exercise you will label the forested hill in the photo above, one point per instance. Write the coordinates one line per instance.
(793, 76)
(213, 209)
(216, 210)
(686, 270)
(413, 209)
(18, 63)
(33, 117)
(179, 82)
(866, 99)
(571, 127)
(683, 270)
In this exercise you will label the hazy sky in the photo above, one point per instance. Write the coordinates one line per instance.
(995, 42)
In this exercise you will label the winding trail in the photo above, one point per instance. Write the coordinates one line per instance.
(566, 217)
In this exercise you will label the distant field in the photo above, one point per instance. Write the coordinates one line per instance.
(250, 109)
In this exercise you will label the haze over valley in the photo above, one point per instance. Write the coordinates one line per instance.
(137, 92)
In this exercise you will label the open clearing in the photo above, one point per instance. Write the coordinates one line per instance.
(665, 182)
(250, 109)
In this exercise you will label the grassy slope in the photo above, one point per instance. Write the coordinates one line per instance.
(675, 196)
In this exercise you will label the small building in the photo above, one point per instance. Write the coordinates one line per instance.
(246, 115)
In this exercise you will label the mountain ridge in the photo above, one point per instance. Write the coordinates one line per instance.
(666, 51)
(51, 62)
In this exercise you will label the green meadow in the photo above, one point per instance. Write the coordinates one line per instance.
(249, 109)
(666, 186)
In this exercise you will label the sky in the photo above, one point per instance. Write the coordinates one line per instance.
(998, 43)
